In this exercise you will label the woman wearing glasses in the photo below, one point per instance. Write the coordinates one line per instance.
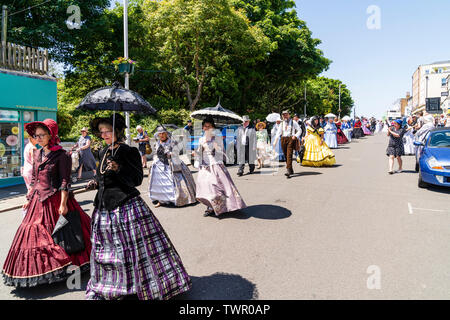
(34, 258)
(132, 254)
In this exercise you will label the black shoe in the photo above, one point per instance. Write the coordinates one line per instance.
(208, 213)
(240, 174)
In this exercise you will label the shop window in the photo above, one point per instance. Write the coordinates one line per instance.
(10, 150)
(28, 116)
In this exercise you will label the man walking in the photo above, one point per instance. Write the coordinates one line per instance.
(246, 146)
(289, 132)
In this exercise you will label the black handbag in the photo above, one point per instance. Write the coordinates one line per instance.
(68, 233)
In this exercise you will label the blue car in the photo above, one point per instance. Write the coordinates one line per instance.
(434, 158)
(229, 142)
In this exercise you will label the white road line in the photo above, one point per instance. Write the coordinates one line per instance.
(411, 209)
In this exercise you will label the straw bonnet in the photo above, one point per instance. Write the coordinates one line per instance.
(260, 124)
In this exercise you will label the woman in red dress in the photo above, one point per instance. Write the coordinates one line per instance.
(341, 138)
(34, 258)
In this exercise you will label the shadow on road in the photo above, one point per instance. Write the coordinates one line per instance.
(262, 211)
(409, 171)
(439, 189)
(305, 173)
(50, 290)
(220, 286)
(85, 202)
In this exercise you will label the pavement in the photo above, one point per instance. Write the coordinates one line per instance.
(347, 232)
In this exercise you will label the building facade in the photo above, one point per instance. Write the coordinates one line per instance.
(430, 81)
(27, 96)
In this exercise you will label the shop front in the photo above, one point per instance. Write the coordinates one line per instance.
(25, 98)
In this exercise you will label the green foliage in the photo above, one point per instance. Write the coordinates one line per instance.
(256, 55)
(323, 97)
(200, 41)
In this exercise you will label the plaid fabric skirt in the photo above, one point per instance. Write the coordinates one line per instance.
(132, 255)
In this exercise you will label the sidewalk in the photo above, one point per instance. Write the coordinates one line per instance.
(13, 198)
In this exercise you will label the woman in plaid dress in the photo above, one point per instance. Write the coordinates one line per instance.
(131, 252)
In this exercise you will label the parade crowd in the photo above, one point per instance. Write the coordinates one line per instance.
(123, 245)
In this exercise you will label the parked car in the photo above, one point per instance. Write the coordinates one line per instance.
(434, 158)
(228, 133)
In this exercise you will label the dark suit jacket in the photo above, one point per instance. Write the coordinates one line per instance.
(116, 188)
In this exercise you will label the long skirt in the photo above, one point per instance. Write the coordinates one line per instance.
(278, 154)
(262, 149)
(216, 190)
(408, 142)
(168, 186)
(87, 160)
(162, 186)
(366, 130)
(331, 140)
(132, 255)
(341, 138)
(34, 258)
(358, 133)
(317, 155)
(348, 134)
(378, 128)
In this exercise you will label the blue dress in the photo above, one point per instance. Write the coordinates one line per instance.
(330, 135)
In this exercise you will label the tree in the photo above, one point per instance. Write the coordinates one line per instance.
(199, 41)
(294, 55)
(323, 97)
(44, 25)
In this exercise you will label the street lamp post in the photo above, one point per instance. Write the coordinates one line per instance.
(127, 75)
(304, 109)
(340, 100)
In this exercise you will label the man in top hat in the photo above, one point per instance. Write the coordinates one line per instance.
(246, 146)
(289, 131)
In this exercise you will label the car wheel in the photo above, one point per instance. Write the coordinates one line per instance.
(421, 183)
(417, 167)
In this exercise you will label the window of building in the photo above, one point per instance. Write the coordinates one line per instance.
(10, 144)
(444, 82)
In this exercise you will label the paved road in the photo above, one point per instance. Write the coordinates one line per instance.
(314, 236)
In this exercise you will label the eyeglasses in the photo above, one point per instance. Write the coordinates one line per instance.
(39, 136)
(106, 133)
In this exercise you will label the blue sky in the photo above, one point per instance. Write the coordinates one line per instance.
(377, 65)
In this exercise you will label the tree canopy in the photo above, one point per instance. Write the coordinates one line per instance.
(256, 55)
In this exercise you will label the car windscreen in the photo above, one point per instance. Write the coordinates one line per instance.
(440, 139)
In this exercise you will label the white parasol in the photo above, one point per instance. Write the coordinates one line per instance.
(273, 117)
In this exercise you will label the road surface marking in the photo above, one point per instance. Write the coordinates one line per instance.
(411, 209)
